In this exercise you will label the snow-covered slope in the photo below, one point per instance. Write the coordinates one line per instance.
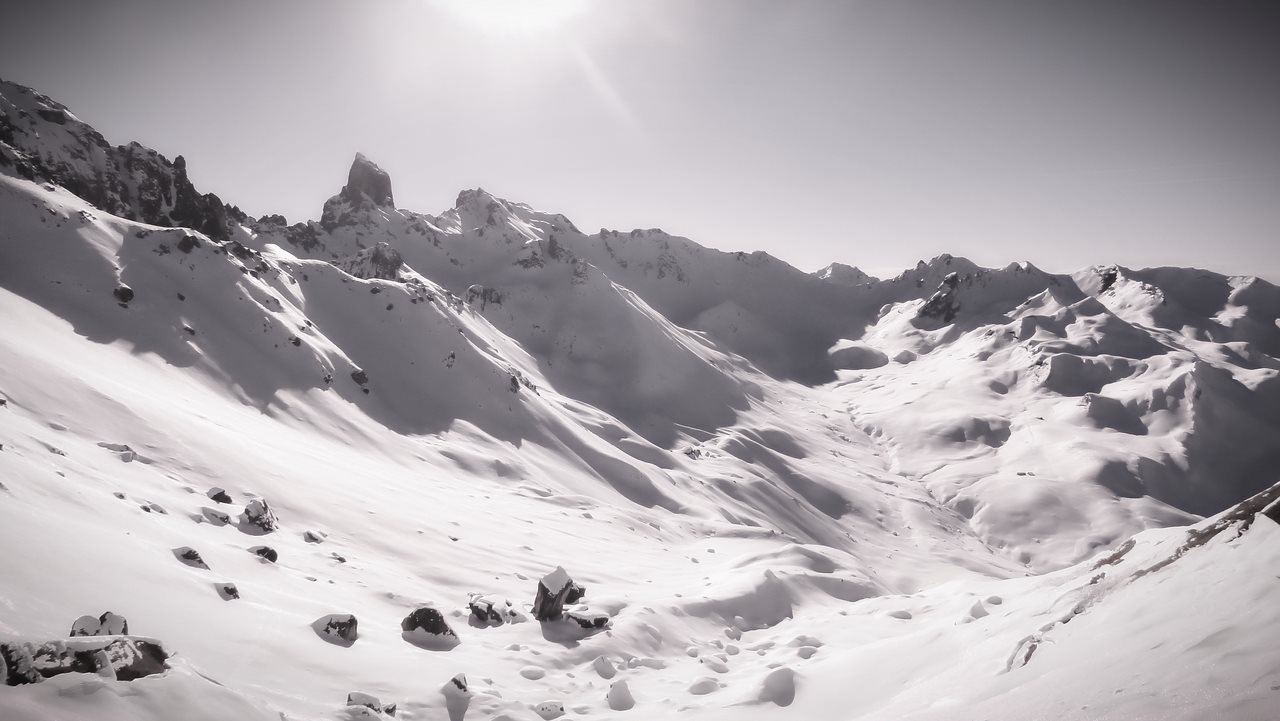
(768, 482)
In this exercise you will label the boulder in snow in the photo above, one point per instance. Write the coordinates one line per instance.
(619, 696)
(492, 611)
(190, 556)
(108, 624)
(554, 591)
(337, 628)
(266, 553)
(425, 626)
(371, 702)
(258, 517)
(124, 658)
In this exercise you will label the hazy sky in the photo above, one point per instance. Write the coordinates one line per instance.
(873, 133)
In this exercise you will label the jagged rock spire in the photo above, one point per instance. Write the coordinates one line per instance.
(367, 180)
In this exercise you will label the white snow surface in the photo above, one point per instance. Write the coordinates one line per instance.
(803, 496)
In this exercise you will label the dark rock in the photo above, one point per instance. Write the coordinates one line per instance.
(367, 180)
(258, 515)
(359, 376)
(191, 557)
(218, 495)
(266, 552)
(125, 658)
(943, 306)
(554, 591)
(314, 536)
(589, 620)
(108, 624)
(188, 243)
(338, 628)
(425, 626)
(132, 658)
(489, 611)
(124, 293)
(18, 664)
(380, 261)
(484, 296)
(227, 591)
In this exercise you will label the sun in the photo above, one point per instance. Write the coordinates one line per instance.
(513, 16)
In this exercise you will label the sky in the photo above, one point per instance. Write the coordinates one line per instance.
(874, 133)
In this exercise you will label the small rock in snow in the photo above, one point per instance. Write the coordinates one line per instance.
(549, 709)
(619, 696)
(337, 628)
(258, 515)
(218, 495)
(604, 667)
(265, 552)
(190, 556)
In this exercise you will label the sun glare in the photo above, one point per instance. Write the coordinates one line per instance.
(513, 16)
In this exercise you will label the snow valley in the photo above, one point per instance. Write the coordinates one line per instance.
(485, 465)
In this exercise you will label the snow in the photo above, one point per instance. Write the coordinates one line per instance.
(790, 495)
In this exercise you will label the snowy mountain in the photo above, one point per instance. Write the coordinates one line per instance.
(481, 464)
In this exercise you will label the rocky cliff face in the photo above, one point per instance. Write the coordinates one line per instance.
(40, 139)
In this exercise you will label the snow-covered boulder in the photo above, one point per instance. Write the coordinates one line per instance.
(337, 628)
(362, 700)
(492, 611)
(191, 557)
(266, 553)
(124, 658)
(258, 517)
(108, 624)
(554, 591)
(425, 626)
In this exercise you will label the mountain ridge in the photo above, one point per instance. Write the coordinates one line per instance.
(760, 479)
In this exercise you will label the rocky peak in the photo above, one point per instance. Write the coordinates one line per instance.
(367, 180)
(842, 274)
(41, 140)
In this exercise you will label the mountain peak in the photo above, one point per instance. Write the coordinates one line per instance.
(842, 274)
(367, 180)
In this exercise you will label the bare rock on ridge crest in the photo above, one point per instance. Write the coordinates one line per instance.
(367, 180)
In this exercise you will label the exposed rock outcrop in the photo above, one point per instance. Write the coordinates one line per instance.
(124, 658)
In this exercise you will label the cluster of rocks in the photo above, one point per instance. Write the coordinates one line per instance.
(96, 645)
(426, 626)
